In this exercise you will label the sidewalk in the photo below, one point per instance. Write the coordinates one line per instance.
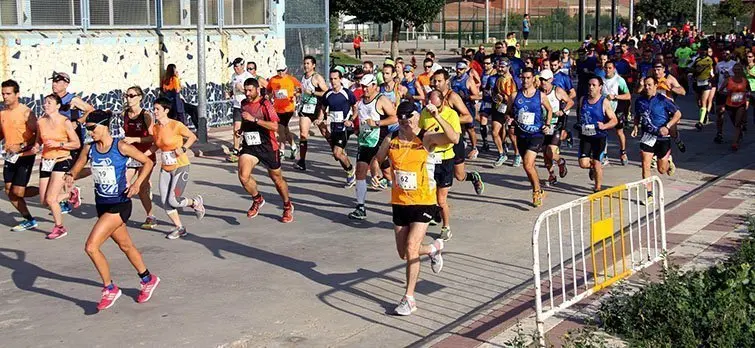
(701, 230)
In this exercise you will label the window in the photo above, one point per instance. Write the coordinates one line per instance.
(245, 12)
(8, 12)
(172, 12)
(210, 11)
(122, 12)
(55, 12)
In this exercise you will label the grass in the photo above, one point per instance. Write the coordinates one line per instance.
(341, 58)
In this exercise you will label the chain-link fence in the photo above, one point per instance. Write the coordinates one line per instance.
(307, 33)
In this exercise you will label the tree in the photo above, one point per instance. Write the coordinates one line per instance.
(674, 11)
(396, 12)
(733, 8)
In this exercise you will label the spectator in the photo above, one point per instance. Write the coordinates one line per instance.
(358, 46)
(171, 89)
(479, 56)
(526, 29)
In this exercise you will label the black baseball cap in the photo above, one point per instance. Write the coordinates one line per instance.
(405, 110)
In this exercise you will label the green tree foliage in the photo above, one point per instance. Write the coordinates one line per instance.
(397, 12)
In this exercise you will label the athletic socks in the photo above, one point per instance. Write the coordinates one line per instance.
(303, 149)
(361, 191)
(145, 277)
(484, 133)
(469, 177)
(702, 114)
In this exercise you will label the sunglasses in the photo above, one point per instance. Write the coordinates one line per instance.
(92, 126)
(428, 66)
(251, 69)
(486, 63)
(131, 96)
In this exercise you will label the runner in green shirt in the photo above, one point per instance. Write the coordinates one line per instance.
(683, 55)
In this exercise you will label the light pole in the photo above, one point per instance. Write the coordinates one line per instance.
(201, 76)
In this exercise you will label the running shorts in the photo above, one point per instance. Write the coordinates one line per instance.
(592, 147)
(531, 143)
(236, 115)
(123, 209)
(366, 154)
(269, 159)
(444, 173)
(404, 215)
(62, 166)
(19, 173)
(661, 149)
(285, 118)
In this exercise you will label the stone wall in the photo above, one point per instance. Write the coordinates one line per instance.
(103, 64)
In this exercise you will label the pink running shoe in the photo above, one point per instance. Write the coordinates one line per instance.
(147, 288)
(74, 198)
(57, 232)
(109, 297)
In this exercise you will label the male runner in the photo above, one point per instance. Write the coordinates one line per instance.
(702, 70)
(487, 86)
(724, 69)
(374, 114)
(339, 105)
(596, 117)
(259, 124)
(424, 78)
(527, 108)
(560, 105)
(503, 127)
(313, 87)
(237, 95)
(18, 127)
(282, 88)
(464, 86)
(616, 91)
(683, 55)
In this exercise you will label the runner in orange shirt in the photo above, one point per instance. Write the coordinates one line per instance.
(424, 78)
(19, 130)
(282, 88)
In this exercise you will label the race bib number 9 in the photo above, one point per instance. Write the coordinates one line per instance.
(48, 164)
(104, 175)
(11, 157)
(308, 108)
(648, 139)
(169, 158)
(588, 130)
(526, 118)
(406, 180)
(252, 138)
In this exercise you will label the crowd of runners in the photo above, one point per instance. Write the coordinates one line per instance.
(415, 126)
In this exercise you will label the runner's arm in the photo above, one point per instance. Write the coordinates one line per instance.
(80, 163)
(146, 169)
(85, 108)
(548, 111)
(31, 124)
(474, 91)
(457, 104)
(383, 150)
(420, 97)
(190, 137)
(676, 87)
(389, 110)
(319, 81)
(448, 136)
(612, 120)
(73, 142)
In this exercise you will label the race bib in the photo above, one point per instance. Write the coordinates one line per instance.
(588, 130)
(487, 105)
(549, 130)
(406, 180)
(308, 108)
(252, 138)
(428, 89)
(169, 158)
(648, 139)
(132, 163)
(434, 158)
(12, 157)
(737, 97)
(336, 116)
(526, 118)
(281, 94)
(104, 175)
(48, 164)
(702, 83)
(502, 108)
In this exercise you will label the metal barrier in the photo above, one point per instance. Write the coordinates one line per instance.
(617, 218)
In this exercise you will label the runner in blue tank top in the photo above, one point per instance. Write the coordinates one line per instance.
(113, 203)
(532, 114)
(488, 87)
(595, 117)
(464, 85)
(414, 91)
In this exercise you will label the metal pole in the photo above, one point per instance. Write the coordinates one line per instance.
(458, 24)
(507, 20)
(201, 75)
(697, 14)
(631, 17)
(487, 20)
(324, 68)
(597, 19)
(582, 6)
(613, 18)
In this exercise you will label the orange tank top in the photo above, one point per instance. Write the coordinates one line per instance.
(14, 125)
(737, 92)
(414, 173)
(53, 128)
(664, 86)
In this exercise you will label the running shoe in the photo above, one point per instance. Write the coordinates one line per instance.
(552, 180)
(149, 223)
(591, 174)
(65, 208)
(300, 165)
(407, 306)
(351, 179)
(680, 145)
(569, 140)
(57, 233)
(376, 183)
(358, 214)
(654, 162)
(177, 232)
(699, 126)
(199, 207)
(232, 158)
(255, 208)
(624, 158)
(517, 161)
(562, 169)
(735, 147)
(147, 288)
(605, 161)
(281, 154)
(671, 166)
(479, 186)
(485, 147)
(108, 297)
(294, 152)
(649, 200)
(445, 233)
(436, 260)
(502, 158)
(288, 213)
(473, 154)
(537, 198)
(74, 198)
(719, 139)
(386, 183)
(25, 225)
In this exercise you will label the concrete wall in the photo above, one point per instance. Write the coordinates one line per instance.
(103, 64)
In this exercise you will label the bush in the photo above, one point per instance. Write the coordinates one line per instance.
(710, 308)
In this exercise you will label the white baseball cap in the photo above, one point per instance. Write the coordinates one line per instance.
(546, 74)
(281, 66)
(367, 80)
